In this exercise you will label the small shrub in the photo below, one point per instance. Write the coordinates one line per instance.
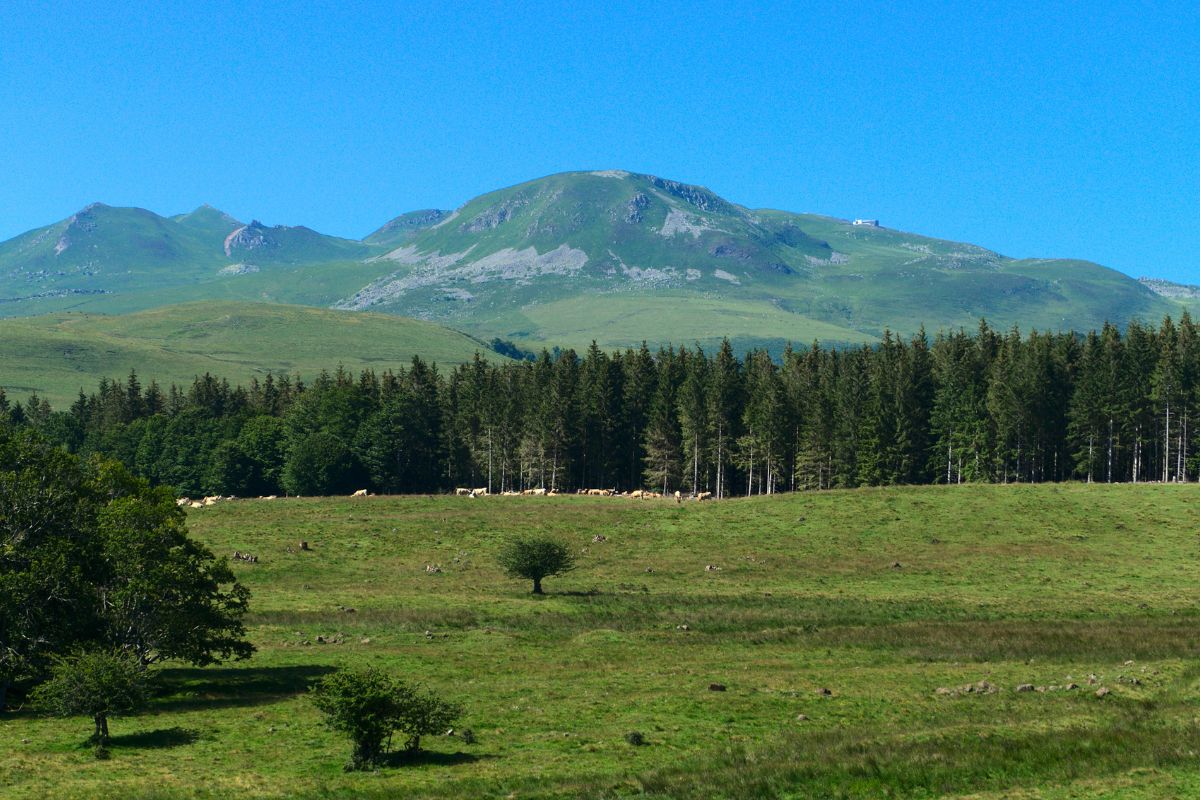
(635, 738)
(534, 558)
(468, 736)
(370, 706)
(98, 685)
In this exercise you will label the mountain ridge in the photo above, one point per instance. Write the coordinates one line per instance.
(610, 255)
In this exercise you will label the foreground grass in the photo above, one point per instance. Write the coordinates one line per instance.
(879, 596)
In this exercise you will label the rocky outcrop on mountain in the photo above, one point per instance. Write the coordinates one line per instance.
(249, 237)
(1180, 291)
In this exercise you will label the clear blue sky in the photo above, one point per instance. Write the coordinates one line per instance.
(1036, 129)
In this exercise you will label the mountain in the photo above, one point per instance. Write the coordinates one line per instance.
(106, 258)
(608, 255)
(620, 257)
(56, 355)
(405, 226)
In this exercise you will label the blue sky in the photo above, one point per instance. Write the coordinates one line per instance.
(1039, 129)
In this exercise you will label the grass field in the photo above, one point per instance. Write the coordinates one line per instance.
(58, 354)
(880, 596)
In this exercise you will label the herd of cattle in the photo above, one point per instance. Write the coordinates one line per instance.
(640, 494)
(637, 494)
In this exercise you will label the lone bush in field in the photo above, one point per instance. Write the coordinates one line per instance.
(98, 685)
(370, 706)
(534, 558)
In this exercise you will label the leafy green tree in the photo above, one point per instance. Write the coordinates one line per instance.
(99, 685)
(91, 555)
(160, 594)
(47, 555)
(535, 558)
(370, 706)
(320, 464)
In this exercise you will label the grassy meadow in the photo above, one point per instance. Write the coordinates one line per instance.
(832, 619)
(57, 355)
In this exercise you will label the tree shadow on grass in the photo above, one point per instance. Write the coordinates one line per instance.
(159, 739)
(404, 758)
(187, 688)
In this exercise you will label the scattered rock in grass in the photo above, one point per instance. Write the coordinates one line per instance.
(433, 568)
(1103, 691)
(896, 565)
(980, 687)
(648, 569)
(1129, 663)
(711, 568)
(304, 546)
(825, 692)
(716, 687)
(683, 627)
(1092, 679)
(802, 718)
(599, 537)
(1025, 687)
(365, 640)
(1072, 687)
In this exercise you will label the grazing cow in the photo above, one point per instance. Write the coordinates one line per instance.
(638, 493)
(360, 493)
(196, 504)
(704, 496)
(480, 492)
(538, 492)
(461, 492)
(183, 501)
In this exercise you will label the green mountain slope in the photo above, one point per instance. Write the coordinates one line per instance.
(621, 257)
(56, 355)
(610, 255)
(107, 259)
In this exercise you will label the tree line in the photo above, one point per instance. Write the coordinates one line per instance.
(1111, 405)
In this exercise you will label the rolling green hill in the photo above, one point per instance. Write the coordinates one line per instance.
(57, 355)
(610, 255)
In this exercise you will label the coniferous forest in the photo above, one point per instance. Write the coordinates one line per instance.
(1111, 406)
